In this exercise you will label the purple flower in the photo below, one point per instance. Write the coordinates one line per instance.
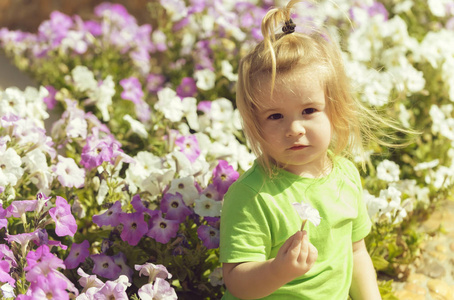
(187, 88)
(138, 205)
(189, 146)
(50, 100)
(174, 207)
(120, 260)
(110, 217)
(105, 266)
(211, 192)
(223, 176)
(155, 82)
(65, 224)
(77, 254)
(95, 152)
(22, 239)
(209, 236)
(162, 230)
(7, 255)
(132, 89)
(134, 227)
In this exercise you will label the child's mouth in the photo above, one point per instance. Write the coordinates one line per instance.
(297, 147)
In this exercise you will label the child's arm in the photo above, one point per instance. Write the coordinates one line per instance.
(251, 280)
(364, 282)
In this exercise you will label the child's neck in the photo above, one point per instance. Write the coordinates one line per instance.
(315, 170)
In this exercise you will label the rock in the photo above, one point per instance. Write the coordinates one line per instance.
(407, 295)
(432, 269)
(415, 289)
(417, 278)
(438, 287)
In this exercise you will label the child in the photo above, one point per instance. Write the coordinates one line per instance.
(300, 121)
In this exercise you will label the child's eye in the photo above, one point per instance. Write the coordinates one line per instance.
(275, 117)
(309, 111)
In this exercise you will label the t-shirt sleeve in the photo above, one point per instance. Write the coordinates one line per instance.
(245, 233)
(362, 223)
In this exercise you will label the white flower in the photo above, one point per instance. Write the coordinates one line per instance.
(36, 165)
(392, 196)
(136, 126)
(68, 173)
(170, 105)
(176, 9)
(205, 79)
(307, 212)
(74, 40)
(10, 167)
(388, 171)
(207, 207)
(190, 112)
(7, 291)
(438, 7)
(374, 204)
(222, 110)
(84, 80)
(102, 192)
(185, 186)
(216, 277)
(447, 128)
(145, 163)
(227, 71)
(427, 165)
(102, 96)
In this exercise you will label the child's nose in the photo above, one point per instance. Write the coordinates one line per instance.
(296, 128)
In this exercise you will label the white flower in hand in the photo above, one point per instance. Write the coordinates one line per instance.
(307, 212)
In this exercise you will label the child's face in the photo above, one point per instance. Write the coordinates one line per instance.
(295, 124)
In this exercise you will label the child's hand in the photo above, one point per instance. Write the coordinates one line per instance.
(295, 258)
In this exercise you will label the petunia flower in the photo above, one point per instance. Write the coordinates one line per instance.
(185, 186)
(68, 173)
(22, 239)
(18, 208)
(162, 230)
(139, 206)
(210, 236)
(65, 223)
(189, 146)
(174, 208)
(223, 176)
(114, 289)
(187, 88)
(77, 254)
(109, 217)
(105, 266)
(307, 212)
(50, 286)
(153, 271)
(134, 227)
(88, 281)
(121, 261)
(4, 273)
(206, 207)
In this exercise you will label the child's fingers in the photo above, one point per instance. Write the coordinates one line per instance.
(292, 242)
(304, 250)
(312, 256)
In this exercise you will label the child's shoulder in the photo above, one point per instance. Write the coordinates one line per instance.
(253, 178)
(347, 169)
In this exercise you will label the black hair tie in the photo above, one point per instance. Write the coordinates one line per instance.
(289, 27)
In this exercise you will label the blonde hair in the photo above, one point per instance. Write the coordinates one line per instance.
(278, 54)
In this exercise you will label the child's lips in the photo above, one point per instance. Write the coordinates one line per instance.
(297, 147)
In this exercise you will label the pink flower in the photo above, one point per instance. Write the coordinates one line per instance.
(22, 239)
(134, 227)
(41, 262)
(88, 281)
(161, 289)
(4, 273)
(114, 289)
(65, 224)
(187, 88)
(50, 286)
(223, 176)
(18, 208)
(77, 254)
(189, 146)
(153, 271)
(132, 89)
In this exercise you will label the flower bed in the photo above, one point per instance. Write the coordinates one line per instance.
(121, 196)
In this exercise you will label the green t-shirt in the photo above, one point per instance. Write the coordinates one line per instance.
(258, 217)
